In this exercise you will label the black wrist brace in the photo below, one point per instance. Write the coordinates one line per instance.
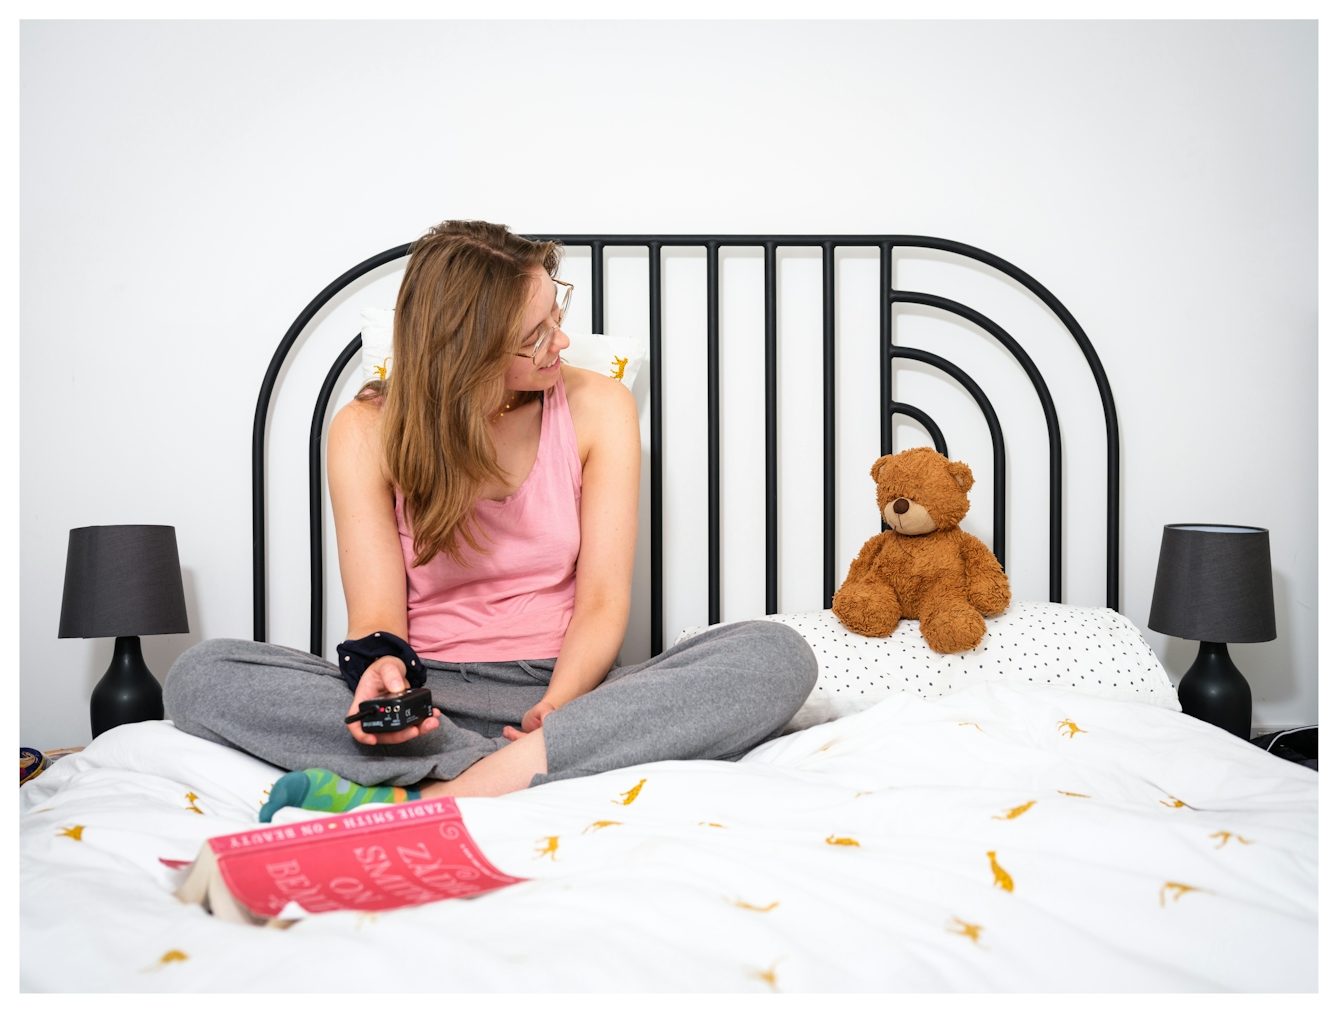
(356, 655)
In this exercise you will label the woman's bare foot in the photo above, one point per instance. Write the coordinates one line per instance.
(509, 769)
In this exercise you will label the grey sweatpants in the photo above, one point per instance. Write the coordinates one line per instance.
(711, 697)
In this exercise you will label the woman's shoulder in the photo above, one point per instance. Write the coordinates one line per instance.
(355, 434)
(602, 408)
(361, 415)
(587, 389)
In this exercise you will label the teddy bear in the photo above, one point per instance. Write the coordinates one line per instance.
(925, 567)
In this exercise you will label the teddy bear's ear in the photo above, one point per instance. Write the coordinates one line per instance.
(962, 472)
(876, 472)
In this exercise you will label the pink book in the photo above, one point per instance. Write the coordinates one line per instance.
(373, 860)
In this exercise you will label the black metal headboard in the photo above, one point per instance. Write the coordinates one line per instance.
(889, 408)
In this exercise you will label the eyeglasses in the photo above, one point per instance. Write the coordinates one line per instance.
(563, 302)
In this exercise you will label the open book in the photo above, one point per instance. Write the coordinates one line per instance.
(368, 860)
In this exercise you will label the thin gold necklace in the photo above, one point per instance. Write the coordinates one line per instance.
(510, 403)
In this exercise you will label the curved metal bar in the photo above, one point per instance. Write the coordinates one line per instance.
(991, 420)
(1047, 407)
(1098, 375)
(262, 416)
(315, 490)
(935, 433)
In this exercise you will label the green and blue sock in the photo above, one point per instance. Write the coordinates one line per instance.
(325, 791)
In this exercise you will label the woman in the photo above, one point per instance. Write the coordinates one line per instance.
(485, 504)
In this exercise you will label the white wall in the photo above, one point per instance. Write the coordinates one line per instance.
(188, 187)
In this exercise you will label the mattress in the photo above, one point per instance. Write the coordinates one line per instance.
(1003, 837)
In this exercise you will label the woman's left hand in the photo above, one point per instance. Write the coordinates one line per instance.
(532, 721)
(534, 717)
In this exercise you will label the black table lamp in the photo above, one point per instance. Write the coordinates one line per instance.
(1215, 585)
(123, 581)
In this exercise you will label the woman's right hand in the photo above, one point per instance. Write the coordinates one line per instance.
(385, 677)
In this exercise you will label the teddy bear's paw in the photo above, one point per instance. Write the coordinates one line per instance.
(990, 599)
(864, 617)
(866, 627)
(953, 629)
(872, 629)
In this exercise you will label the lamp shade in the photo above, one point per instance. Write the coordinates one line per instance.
(123, 580)
(1215, 584)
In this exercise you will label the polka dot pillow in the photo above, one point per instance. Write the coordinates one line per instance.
(1095, 650)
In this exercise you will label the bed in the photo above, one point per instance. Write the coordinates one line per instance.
(1033, 815)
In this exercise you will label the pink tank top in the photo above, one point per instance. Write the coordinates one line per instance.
(513, 601)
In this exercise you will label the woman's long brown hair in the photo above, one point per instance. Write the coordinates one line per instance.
(457, 324)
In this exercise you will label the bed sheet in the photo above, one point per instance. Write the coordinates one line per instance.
(1002, 838)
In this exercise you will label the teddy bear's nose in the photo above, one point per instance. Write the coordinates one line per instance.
(901, 505)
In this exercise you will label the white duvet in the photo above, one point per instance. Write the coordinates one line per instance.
(1003, 837)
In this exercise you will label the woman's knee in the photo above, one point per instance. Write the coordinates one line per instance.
(199, 678)
(783, 657)
(804, 671)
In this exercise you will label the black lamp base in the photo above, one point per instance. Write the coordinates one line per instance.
(127, 692)
(1213, 690)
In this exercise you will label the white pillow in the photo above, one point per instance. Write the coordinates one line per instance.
(618, 357)
(1095, 650)
(378, 331)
